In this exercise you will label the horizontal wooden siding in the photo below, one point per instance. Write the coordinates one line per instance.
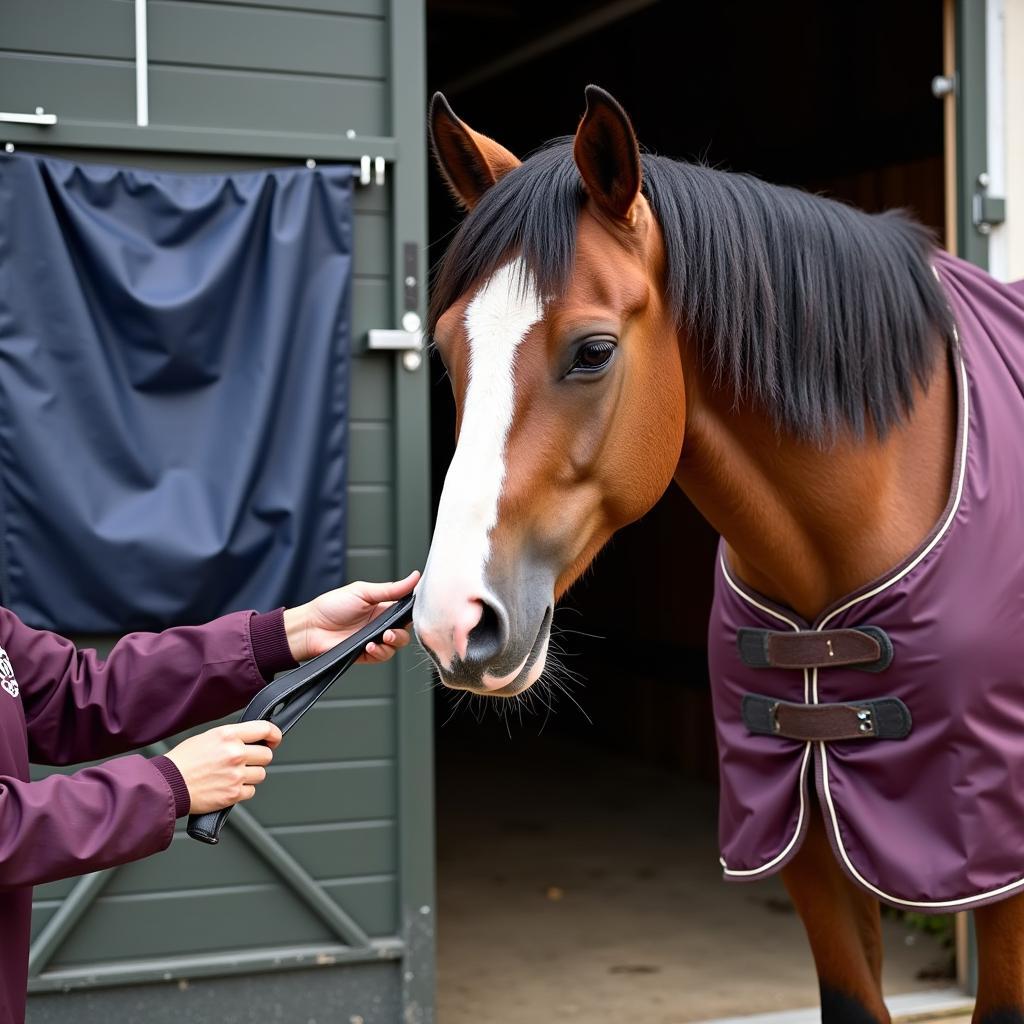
(216, 70)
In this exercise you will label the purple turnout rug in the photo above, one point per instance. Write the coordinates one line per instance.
(933, 821)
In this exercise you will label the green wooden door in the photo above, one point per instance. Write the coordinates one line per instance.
(318, 904)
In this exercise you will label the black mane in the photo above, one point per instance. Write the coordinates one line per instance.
(824, 315)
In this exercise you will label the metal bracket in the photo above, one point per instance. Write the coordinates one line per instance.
(141, 64)
(409, 343)
(40, 117)
(381, 340)
(987, 211)
(372, 169)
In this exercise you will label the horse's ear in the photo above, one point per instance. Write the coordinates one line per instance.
(470, 162)
(607, 155)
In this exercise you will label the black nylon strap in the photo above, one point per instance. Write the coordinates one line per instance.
(285, 700)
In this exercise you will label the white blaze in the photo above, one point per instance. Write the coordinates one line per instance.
(497, 321)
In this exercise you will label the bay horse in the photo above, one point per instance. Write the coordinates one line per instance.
(828, 390)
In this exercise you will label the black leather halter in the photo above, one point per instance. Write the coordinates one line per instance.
(285, 700)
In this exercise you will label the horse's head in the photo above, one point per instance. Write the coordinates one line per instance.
(564, 360)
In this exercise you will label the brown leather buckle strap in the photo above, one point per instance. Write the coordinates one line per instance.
(886, 718)
(867, 648)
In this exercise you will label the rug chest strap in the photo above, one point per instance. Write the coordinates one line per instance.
(886, 718)
(867, 648)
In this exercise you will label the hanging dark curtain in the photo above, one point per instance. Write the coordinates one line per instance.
(174, 359)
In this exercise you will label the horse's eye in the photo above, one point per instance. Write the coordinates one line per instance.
(593, 356)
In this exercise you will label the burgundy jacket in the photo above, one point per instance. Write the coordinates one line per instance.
(59, 706)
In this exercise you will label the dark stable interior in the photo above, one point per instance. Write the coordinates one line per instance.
(834, 98)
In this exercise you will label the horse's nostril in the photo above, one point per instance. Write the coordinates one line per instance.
(487, 640)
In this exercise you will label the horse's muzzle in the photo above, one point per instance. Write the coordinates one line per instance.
(494, 663)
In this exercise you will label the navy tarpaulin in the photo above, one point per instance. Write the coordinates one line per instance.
(174, 359)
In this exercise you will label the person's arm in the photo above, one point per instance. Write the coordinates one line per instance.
(79, 707)
(317, 626)
(125, 809)
(69, 824)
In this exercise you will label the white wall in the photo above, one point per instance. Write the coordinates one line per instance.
(1012, 233)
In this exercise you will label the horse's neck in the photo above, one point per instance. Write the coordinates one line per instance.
(806, 525)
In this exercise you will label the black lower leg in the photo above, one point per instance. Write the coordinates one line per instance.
(1007, 1015)
(841, 1008)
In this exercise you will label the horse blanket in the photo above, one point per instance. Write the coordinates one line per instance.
(933, 821)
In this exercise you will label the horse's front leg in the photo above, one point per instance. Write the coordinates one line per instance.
(844, 927)
(1000, 932)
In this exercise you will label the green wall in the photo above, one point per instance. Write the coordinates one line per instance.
(332, 866)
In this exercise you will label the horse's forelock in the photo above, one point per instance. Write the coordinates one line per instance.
(530, 214)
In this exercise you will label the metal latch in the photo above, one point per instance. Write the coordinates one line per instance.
(986, 211)
(409, 343)
(39, 117)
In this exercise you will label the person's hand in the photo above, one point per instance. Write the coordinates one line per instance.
(223, 766)
(325, 621)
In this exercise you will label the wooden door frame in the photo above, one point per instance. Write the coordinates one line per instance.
(418, 907)
(972, 33)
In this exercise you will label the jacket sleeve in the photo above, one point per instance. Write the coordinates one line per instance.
(79, 707)
(67, 825)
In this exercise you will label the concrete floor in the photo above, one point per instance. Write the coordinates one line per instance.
(575, 885)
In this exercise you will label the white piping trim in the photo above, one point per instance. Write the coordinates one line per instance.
(934, 904)
(757, 604)
(923, 553)
(736, 872)
(784, 852)
(863, 597)
(833, 817)
(746, 597)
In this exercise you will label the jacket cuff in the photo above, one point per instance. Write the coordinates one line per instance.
(169, 770)
(270, 643)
